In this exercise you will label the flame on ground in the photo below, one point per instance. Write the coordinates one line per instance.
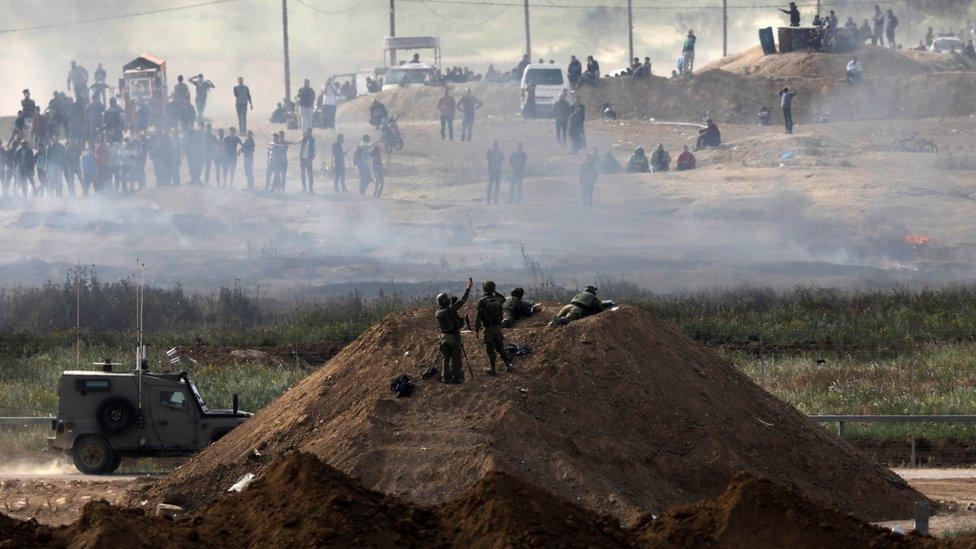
(915, 239)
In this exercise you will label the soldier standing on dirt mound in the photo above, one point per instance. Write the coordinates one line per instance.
(490, 314)
(450, 323)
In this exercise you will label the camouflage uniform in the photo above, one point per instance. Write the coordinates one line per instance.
(490, 317)
(450, 323)
(584, 304)
(514, 309)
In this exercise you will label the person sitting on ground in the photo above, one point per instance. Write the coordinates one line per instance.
(584, 304)
(709, 136)
(592, 73)
(515, 308)
(608, 113)
(686, 160)
(865, 34)
(609, 164)
(638, 162)
(853, 71)
(377, 114)
(765, 118)
(278, 116)
(660, 159)
(921, 46)
(969, 50)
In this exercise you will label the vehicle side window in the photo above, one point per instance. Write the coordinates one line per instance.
(173, 399)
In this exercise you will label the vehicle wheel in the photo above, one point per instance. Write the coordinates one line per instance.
(115, 414)
(93, 456)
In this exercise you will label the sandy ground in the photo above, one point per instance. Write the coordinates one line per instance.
(833, 211)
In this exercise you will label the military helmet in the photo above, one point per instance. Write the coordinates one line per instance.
(518, 292)
(488, 286)
(443, 299)
(590, 289)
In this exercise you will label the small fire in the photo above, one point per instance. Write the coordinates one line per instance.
(915, 239)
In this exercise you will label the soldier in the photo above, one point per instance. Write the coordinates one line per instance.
(490, 316)
(450, 323)
(515, 309)
(584, 304)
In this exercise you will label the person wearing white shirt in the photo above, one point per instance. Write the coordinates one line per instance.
(853, 71)
(327, 102)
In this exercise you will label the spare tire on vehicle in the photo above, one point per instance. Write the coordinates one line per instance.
(115, 414)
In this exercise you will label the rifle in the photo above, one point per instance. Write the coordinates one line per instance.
(466, 361)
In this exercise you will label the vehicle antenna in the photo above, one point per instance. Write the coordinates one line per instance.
(78, 315)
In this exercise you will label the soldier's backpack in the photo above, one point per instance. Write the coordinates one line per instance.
(402, 386)
(491, 311)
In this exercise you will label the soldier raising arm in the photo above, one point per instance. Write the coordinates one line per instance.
(450, 323)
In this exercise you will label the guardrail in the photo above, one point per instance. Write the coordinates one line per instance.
(23, 421)
(842, 420)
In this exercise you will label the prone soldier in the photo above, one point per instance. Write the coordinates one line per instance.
(584, 304)
(450, 323)
(515, 309)
(490, 317)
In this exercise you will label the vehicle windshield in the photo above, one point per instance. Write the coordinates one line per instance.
(407, 77)
(196, 395)
(544, 77)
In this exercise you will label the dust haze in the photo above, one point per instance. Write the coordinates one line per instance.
(742, 221)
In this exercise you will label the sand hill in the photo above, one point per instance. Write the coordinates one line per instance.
(619, 413)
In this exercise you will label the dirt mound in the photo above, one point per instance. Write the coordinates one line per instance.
(755, 512)
(619, 413)
(301, 501)
(877, 61)
(730, 97)
(421, 103)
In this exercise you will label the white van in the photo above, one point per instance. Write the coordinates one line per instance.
(550, 80)
(409, 75)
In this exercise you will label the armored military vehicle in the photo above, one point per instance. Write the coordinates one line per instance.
(104, 415)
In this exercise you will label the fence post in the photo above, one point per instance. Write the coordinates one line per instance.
(840, 429)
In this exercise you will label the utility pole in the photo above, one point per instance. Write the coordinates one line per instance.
(284, 31)
(392, 30)
(528, 35)
(630, 30)
(725, 27)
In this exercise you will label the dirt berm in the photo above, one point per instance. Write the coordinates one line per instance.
(897, 84)
(302, 502)
(619, 412)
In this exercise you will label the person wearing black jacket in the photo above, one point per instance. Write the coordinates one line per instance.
(339, 164)
(574, 71)
(560, 111)
(794, 14)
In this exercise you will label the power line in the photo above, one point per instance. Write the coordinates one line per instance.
(551, 5)
(464, 23)
(331, 12)
(117, 16)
